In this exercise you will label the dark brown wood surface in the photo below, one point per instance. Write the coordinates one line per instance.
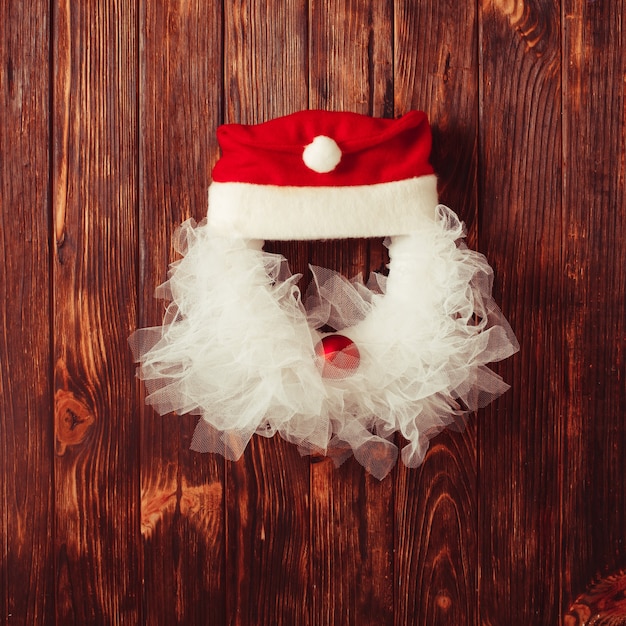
(182, 494)
(107, 139)
(27, 556)
(521, 476)
(94, 284)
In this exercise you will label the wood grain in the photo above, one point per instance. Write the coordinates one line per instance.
(521, 435)
(603, 604)
(267, 497)
(182, 491)
(94, 181)
(107, 140)
(594, 292)
(350, 56)
(352, 523)
(26, 557)
(436, 71)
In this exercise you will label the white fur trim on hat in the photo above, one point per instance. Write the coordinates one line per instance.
(251, 211)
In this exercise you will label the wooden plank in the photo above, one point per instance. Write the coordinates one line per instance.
(94, 285)
(352, 545)
(521, 435)
(351, 64)
(352, 512)
(26, 434)
(182, 491)
(265, 67)
(593, 292)
(267, 496)
(436, 71)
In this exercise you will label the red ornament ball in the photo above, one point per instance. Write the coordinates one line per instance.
(338, 356)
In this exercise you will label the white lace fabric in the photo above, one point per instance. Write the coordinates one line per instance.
(239, 348)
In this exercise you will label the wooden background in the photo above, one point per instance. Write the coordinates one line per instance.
(108, 113)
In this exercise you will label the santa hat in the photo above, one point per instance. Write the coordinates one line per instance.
(323, 175)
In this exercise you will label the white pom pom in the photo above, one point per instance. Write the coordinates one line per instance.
(322, 155)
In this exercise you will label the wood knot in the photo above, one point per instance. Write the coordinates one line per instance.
(603, 603)
(512, 9)
(72, 420)
(443, 601)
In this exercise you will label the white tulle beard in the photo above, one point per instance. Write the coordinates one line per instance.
(238, 347)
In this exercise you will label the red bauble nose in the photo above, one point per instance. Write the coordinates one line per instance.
(339, 357)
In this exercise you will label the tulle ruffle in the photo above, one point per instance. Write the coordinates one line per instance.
(239, 348)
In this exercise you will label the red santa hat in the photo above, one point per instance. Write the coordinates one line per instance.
(323, 175)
